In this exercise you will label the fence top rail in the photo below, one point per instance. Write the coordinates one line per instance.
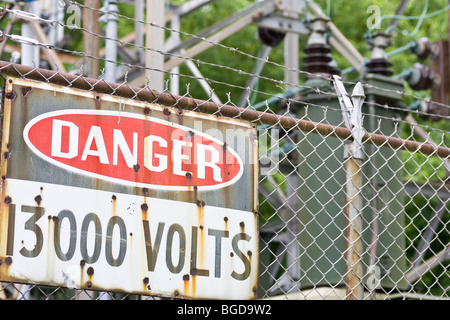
(187, 103)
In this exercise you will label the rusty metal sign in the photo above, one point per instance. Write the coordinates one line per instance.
(106, 193)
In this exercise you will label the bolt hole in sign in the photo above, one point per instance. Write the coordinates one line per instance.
(177, 216)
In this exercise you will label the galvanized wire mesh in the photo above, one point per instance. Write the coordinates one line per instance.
(404, 188)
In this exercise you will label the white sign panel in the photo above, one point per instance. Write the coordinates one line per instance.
(112, 241)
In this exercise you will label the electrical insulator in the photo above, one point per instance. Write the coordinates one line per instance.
(429, 110)
(270, 37)
(379, 66)
(420, 77)
(318, 59)
(378, 62)
(425, 49)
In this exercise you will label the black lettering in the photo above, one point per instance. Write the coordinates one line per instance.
(219, 234)
(152, 251)
(57, 235)
(123, 241)
(194, 270)
(91, 217)
(182, 250)
(31, 225)
(11, 223)
(247, 267)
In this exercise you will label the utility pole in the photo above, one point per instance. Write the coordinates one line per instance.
(291, 49)
(154, 61)
(139, 6)
(289, 214)
(110, 43)
(174, 77)
(30, 53)
(56, 34)
(91, 42)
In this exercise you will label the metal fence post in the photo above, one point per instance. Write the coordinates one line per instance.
(353, 234)
(351, 112)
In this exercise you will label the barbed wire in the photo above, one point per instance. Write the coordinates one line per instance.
(236, 50)
(123, 43)
(289, 101)
(197, 61)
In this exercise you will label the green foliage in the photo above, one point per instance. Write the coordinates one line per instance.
(419, 212)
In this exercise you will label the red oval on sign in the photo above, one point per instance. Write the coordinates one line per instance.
(132, 149)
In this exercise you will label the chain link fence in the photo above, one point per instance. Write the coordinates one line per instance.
(403, 191)
(398, 190)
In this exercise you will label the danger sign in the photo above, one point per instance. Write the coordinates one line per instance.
(105, 194)
(135, 150)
